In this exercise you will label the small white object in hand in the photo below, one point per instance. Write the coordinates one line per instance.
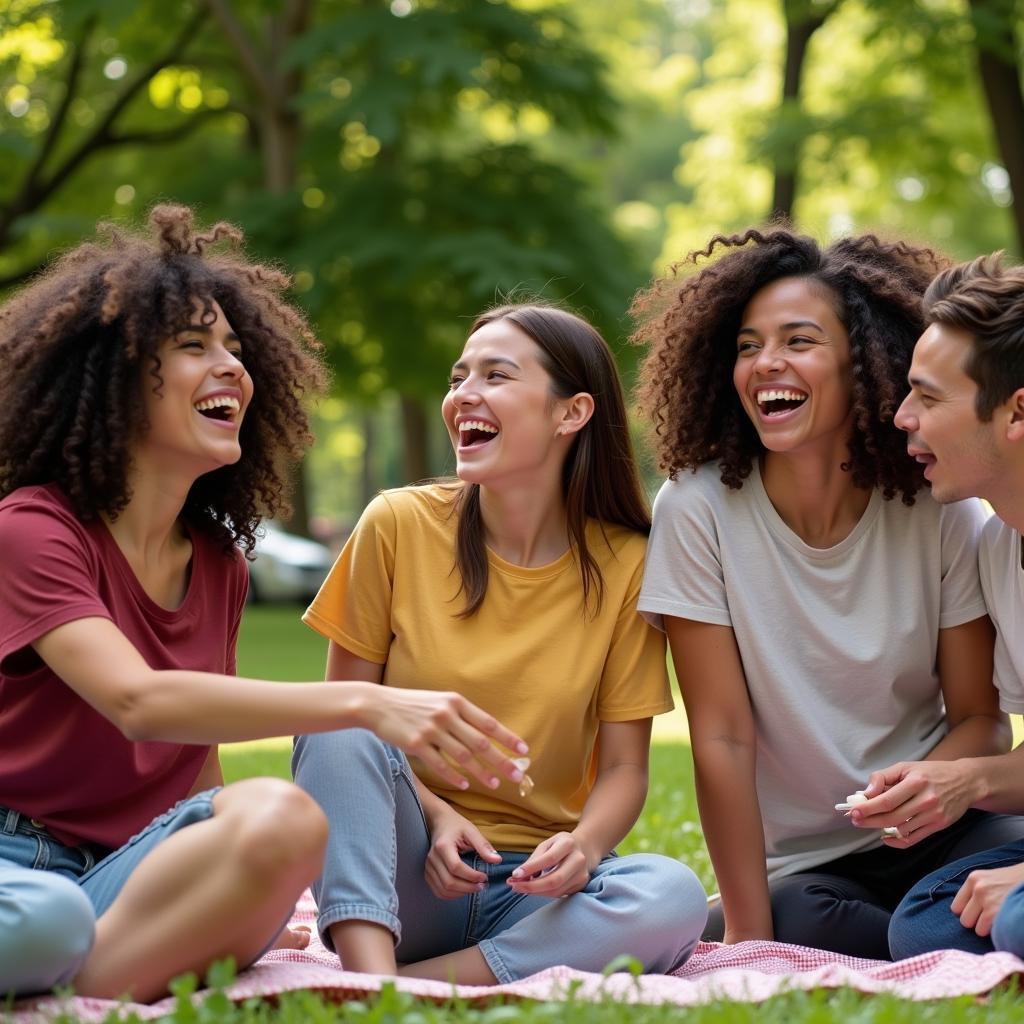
(526, 784)
(892, 832)
(852, 801)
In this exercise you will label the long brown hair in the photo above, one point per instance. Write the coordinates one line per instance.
(599, 479)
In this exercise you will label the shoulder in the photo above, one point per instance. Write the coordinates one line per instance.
(998, 542)
(39, 513)
(698, 491)
(411, 511)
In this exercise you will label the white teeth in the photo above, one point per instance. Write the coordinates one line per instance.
(477, 425)
(219, 402)
(774, 396)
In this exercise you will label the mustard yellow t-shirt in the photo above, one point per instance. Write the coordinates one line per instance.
(529, 656)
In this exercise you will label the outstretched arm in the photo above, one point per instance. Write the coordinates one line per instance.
(98, 661)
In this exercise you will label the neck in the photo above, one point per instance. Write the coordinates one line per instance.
(1008, 503)
(525, 525)
(149, 523)
(815, 497)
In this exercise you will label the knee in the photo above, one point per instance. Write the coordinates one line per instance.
(331, 756)
(665, 903)
(908, 934)
(1008, 927)
(274, 826)
(47, 926)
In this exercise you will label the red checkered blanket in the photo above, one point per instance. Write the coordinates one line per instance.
(749, 971)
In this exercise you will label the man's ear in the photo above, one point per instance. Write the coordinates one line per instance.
(1015, 421)
(578, 411)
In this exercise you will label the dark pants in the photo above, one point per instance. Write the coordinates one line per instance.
(845, 905)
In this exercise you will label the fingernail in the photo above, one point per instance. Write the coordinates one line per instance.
(517, 873)
(522, 748)
(516, 776)
(463, 784)
(492, 782)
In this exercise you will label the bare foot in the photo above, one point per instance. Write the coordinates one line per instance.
(293, 937)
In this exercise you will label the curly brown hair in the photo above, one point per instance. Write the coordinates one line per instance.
(690, 325)
(74, 342)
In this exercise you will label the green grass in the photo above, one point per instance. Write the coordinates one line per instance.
(274, 644)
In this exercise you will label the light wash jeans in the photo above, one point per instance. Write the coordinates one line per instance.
(51, 894)
(46, 929)
(924, 920)
(650, 907)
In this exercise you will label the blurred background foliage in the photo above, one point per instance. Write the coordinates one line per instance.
(413, 161)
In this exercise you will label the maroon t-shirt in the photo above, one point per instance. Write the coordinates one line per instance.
(61, 761)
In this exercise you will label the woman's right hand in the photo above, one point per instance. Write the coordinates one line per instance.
(441, 728)
(448, 876)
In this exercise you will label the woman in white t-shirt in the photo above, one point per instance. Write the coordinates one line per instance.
(824, 614)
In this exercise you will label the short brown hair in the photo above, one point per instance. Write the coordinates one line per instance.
(72, 344)
(985, 299)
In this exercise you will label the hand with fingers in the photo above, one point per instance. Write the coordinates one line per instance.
(982, 895)
(447, 874)
(919, 798)
(448, 733)
(559, 866)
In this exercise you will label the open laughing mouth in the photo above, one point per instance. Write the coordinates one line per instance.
(779, 401)
(475, 434)
(220, 408)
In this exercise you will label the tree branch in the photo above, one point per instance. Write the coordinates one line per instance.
(253, 64)
(35, 193)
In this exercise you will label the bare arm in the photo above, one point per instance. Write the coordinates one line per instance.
(99, 663)
(563, 863)
(724, 743)
(969, 767)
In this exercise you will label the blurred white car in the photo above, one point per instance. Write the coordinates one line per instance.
(286, 567)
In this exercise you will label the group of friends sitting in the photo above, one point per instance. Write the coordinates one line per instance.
(839, 606)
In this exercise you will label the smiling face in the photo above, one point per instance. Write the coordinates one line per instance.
(792, 370)
(195, 411)
(961, 455)
(501, 414)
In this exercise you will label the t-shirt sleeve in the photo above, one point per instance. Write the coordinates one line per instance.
(961, 524)
(48, 576)
(634, 683)
(353, 607)
(683, 576)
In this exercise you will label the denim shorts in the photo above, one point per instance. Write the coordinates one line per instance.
(100, 872)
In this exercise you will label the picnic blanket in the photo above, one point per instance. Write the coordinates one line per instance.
(748, 972)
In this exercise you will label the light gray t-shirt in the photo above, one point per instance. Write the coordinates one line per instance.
(838, 644)
(1002, 582)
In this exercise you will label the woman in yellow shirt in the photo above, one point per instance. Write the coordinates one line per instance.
(516, 587)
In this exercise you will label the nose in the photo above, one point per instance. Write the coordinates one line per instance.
(769, 359)
(905, 418)
(229, 365)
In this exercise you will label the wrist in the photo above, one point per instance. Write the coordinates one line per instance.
(591, 850)
(355, 707)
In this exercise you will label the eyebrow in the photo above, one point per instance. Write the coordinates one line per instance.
(203, 329)
(489, 361)
(923, 384)
(787, 327)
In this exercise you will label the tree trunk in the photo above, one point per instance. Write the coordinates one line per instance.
(801, 24)
(368, 481)
(1000, 77)
(414, 440)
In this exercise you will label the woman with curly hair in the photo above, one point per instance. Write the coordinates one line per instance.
(824, 613)
(151, 394)
(517, 586)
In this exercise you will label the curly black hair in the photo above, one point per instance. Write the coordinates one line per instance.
(689, 327)
(75, 342)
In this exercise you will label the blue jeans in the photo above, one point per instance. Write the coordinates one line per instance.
(650, 907)
(46, 929)
(924, 920)
(100, 872)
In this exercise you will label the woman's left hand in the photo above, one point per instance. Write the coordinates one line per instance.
(559, 866)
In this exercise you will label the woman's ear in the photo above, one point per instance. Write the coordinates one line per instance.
(575, 413)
